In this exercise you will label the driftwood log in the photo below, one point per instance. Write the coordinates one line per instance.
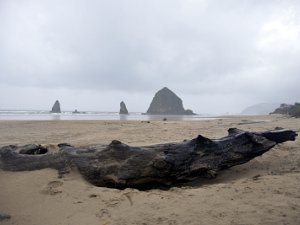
(118, 165)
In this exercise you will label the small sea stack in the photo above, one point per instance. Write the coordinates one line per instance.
(166, 102)
(123, 109)
(56, 107)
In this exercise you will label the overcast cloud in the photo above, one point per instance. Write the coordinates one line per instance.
(218, 56)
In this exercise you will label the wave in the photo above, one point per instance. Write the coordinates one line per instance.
(90, 115)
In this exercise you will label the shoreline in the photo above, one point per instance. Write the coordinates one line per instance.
(39, 115)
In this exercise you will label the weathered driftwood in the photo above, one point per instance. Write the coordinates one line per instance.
(119, 165)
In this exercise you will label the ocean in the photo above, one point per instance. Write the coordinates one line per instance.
(91, 115)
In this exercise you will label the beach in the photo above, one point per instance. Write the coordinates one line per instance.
(263, 191)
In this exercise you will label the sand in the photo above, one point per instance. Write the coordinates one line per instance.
(264, 191)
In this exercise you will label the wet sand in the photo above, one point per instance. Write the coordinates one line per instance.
(263, 191)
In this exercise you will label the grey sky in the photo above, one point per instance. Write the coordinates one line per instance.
(218, 56)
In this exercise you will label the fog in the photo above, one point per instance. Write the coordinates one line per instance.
(217, 56)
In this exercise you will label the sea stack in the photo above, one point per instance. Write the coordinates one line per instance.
(123, 109)
(166, 102)
(56, 107)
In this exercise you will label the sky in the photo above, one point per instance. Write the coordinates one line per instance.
(218, 56)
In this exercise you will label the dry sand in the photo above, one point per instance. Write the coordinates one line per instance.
(264, 191)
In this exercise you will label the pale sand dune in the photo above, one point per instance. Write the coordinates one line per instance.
(264, 191)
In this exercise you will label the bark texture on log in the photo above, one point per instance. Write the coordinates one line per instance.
(118, 165)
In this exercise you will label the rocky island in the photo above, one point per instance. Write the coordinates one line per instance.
(56, 107)
(166, 102)
(123, 108)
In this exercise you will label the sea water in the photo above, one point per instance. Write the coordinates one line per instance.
(92, 115)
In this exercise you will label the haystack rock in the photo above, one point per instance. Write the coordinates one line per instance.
(123, 109)
(166, 102)
(56, 107)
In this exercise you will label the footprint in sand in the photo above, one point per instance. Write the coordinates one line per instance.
(103, 213)
(53, 187)
(113, 202)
